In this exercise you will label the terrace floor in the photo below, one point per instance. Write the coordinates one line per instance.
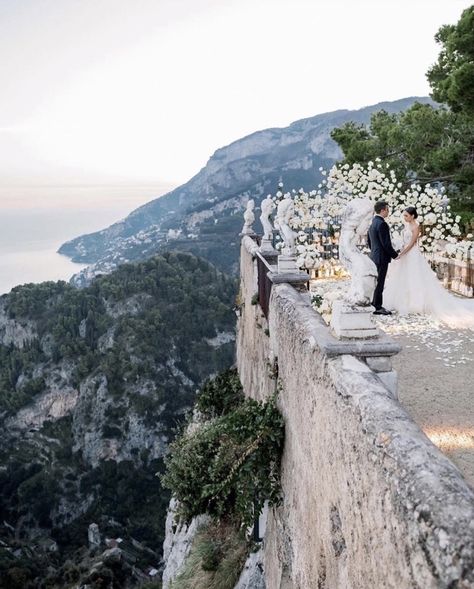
(436, 383)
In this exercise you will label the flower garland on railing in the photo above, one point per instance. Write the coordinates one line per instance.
(318, 213)
(461, 250)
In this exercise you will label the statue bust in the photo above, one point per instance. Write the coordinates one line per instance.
(355, 224)
(267, 208)
(249, 218)
(285, 212)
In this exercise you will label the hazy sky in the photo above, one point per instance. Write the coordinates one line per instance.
(147, 90)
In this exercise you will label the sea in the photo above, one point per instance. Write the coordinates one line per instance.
(36, 220)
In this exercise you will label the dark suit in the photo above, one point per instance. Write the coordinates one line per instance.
(381, 252)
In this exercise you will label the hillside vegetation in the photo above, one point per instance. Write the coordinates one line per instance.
(93, 384)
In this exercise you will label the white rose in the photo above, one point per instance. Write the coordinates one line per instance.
(450, 249)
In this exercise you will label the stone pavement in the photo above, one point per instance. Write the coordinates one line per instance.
(436, 383)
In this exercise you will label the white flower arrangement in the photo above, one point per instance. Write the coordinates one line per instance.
(325, 294)
(461, 250)
(318, 212)
(380, 183)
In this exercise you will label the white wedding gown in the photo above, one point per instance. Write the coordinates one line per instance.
(412, 287)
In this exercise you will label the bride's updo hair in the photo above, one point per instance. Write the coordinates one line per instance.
(412, 211)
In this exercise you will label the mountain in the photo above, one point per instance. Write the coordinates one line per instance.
(204, 216)
(93, 383)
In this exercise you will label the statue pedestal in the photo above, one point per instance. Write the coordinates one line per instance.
(351, 321)
(287, 264)
(266, 247)
(288, 271)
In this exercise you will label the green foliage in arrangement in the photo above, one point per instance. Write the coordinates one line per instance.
(426, 143)
(217, 555)
(228, 465)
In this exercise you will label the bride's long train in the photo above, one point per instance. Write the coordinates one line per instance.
(413, 287)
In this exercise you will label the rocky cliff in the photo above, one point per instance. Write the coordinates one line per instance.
(93, 384)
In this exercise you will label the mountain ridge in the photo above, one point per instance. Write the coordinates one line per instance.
(203, 215)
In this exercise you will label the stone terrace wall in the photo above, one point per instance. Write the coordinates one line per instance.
(368, 501)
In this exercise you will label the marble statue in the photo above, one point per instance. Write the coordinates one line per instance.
(285, 212)
(249, 218)
(267, 208)
(355, 224)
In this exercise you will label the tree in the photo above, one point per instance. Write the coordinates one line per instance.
(429, 143)
(452, 77)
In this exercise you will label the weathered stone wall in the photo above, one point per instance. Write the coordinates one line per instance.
(368, 501)
(254, 356)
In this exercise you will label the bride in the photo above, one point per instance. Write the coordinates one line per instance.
(413, 287)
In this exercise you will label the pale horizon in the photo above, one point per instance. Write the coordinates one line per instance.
(120, 92)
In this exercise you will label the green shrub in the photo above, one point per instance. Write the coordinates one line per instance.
(220, 394)
(229, 465)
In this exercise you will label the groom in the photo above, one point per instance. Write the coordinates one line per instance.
(381, 252)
